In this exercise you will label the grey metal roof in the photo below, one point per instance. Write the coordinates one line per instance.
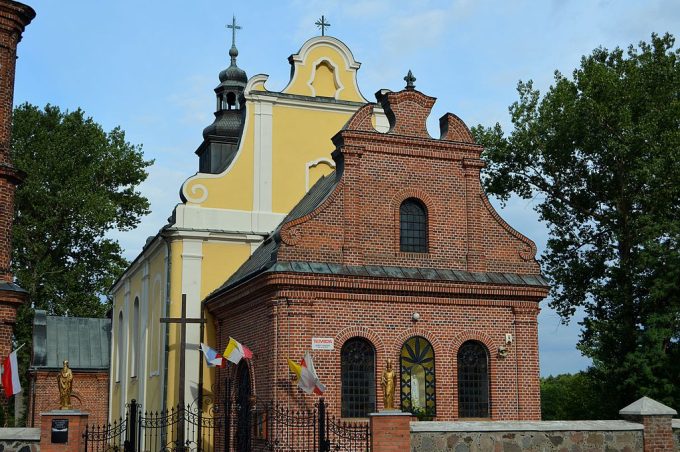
(84, 342)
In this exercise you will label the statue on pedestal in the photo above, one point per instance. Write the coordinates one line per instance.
(65, 382)
(388, 383)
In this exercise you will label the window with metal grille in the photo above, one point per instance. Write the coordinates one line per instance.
(417, 377)
(473, 380)
(357, 362)
(413, 226)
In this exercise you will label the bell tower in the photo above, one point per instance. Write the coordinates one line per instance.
(14, 17)
(221, 138)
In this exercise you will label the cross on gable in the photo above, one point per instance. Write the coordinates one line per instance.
(233, 27)
(321, 23)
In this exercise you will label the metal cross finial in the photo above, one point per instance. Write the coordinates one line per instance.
(233, 27)
(410, 79)
(321, 23)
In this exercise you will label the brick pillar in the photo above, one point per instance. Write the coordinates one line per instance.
(476, 259)
(525, 351)
(77, 421)
(14, 17)
(657, 420)
(390, 431)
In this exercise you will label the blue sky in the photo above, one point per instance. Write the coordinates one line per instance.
(150, 66)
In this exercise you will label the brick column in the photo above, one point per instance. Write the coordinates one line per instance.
(525, 351)
(390, 431)
(657, 420)
(14, 17)
(476, 259)
(77, 421)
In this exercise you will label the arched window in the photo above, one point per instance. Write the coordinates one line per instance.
(357, 362)
(417, 377)
(119, 347)
(412, 226)
(134, 337)
(473, 380)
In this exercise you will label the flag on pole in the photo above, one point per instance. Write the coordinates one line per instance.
(306, 375)
(235, 351)
(213, 358)
(10, 375)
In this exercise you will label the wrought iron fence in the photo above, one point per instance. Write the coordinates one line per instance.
(267, 427)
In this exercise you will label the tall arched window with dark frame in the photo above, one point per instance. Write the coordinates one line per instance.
(413, 226)
(357, 363)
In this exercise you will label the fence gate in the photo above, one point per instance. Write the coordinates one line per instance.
(269, 427)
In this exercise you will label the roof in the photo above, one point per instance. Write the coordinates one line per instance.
(265, 257)
(647, 407)
(84, 342)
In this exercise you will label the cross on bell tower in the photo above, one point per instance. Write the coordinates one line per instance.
(321, 23)
(233, 27)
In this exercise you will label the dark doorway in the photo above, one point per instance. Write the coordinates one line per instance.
(243, 400)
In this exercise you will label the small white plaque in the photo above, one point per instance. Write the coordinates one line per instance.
(322, 343)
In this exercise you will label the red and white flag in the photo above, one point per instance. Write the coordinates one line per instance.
(10, 375)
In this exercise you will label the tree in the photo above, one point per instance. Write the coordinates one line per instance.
(569, 397)
(81, 183)
(600, 154)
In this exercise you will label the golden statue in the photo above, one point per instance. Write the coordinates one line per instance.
(65, 381)
(388, 382)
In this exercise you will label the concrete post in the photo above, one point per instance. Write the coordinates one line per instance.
(657, 421)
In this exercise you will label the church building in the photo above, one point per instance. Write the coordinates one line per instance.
(396, 255)
(262, 153)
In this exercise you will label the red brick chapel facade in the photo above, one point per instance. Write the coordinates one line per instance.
(397, 255)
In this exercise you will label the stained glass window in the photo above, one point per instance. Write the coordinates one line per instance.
(417, 377)
(412, 226)
(357, 362)
(473, 380)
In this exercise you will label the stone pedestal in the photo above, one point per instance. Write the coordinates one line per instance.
(390, 431)
(62, 431)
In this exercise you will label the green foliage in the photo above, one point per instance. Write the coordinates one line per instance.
(81, 184)
(600, 154)
(570, 397)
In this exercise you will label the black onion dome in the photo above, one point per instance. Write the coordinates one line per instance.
(233, 74)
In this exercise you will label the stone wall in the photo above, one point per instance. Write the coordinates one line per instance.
(19, 439)
(544, 436)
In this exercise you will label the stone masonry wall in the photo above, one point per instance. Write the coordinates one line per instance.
(560, 436)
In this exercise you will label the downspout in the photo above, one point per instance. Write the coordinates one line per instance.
(165, 326)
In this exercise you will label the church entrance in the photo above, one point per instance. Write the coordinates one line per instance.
(243, 408)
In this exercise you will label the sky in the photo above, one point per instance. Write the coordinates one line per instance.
(150, 66)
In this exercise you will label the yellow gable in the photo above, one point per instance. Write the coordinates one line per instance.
(285, 146)
(325, 67)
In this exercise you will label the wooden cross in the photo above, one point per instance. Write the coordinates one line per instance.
(182, 320)
(233, 27)
(321, 23)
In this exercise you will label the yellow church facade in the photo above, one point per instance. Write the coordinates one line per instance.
(260, 156)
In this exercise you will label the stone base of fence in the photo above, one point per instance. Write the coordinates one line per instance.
(19, 439)
(648, 427)
(62, 431)
(390, 431)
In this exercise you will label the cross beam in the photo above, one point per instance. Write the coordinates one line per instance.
(182, 321)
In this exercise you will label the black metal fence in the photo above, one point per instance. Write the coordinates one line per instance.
(258, 427)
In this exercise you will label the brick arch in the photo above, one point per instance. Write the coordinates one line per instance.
(488, 342)
(430, 207)
(363, 332)
(437, 345)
